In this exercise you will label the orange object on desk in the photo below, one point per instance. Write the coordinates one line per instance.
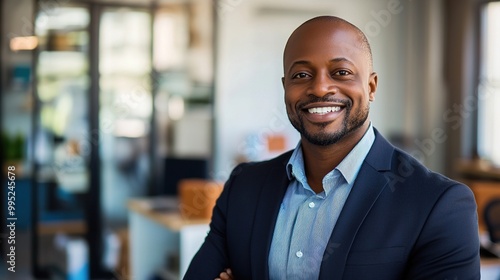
(484, 192)
(197, 198)
(276, 143)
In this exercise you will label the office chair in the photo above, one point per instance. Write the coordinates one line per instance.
(492, 219)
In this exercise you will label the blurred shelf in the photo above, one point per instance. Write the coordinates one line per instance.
(66, 227)
(490, 262)
(478, 169)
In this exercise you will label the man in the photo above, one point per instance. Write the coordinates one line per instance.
(345, 204)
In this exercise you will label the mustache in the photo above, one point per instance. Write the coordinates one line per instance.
(315, 99)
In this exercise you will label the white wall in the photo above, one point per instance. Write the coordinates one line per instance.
(251, 38)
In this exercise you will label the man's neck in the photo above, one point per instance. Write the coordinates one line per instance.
(320, 160)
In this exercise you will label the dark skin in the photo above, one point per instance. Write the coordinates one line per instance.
(325, 65)
(226, 275)
(327, 68)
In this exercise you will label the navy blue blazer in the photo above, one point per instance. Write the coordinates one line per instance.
(400, 221)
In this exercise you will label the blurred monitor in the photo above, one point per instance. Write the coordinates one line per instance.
(176, 169)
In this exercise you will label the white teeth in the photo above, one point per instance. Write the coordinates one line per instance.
(323, 110)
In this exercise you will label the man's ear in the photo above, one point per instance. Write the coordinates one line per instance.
(372, 84)
(283, 81)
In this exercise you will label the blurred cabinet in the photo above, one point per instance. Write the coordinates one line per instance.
(484, 181)
(162, 244)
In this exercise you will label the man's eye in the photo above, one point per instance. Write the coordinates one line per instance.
(300, 76)
(341, 73)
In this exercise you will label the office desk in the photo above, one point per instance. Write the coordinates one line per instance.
(490, 269)
(161, 242)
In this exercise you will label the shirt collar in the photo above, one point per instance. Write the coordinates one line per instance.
(348, 167)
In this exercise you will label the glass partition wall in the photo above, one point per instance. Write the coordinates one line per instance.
(61, 171)
(183, 81)
(120, 92)
(125, 102)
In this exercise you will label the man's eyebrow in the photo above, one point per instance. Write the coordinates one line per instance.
(300, 62)
(341, 59)
(335, 60)
(307, 63)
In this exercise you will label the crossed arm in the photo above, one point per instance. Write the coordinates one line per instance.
(225, 275)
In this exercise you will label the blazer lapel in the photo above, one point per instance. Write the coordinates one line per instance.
(272, 193)
(365, 191)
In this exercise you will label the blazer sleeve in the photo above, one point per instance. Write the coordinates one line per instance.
(448, 246)
(212, 258)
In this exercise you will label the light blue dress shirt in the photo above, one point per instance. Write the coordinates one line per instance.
(306, 219)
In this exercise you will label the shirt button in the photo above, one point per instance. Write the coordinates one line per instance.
(311, 204)
(299, 254)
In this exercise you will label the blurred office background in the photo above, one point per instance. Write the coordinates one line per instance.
(106, 101)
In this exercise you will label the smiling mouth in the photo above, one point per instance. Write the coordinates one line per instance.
(323, 110)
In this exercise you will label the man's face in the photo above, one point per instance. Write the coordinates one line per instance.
(328, 82)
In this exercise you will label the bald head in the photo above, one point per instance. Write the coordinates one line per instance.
(327, 26)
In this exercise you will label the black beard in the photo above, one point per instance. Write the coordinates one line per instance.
(325, 139)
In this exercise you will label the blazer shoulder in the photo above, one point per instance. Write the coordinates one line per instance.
(410, 172)
(402, 169)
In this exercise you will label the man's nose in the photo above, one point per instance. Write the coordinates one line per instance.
(323, 84)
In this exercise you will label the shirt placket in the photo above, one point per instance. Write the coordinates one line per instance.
(299, 254)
